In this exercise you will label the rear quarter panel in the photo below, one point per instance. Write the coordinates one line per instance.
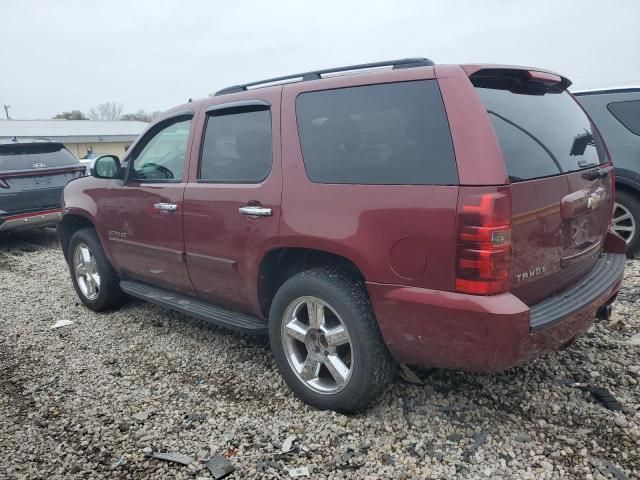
(368, 224)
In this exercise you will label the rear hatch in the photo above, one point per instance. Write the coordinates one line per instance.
(562, 194)
(33, 175)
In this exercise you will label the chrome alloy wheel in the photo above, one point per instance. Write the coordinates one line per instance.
(317, 345)
(85, 269)
(623, 223)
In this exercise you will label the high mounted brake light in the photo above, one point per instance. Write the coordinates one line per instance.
(544, 77)
(483, 251)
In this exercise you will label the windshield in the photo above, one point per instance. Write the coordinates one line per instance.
(30, 156)
(541, 132)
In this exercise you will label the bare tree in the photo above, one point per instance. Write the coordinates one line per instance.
(106, 111)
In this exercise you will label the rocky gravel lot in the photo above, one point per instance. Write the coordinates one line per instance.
(96, 398)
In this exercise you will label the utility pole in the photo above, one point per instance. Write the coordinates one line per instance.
(6, 111)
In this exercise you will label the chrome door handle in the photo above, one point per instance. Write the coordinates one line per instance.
(166, 207)
(256, 211)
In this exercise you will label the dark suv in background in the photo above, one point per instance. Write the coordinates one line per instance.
(616, 113)
(33, 173)
(452, 216)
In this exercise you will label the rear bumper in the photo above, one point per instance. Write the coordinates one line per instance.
(44, 218)
(488, 333)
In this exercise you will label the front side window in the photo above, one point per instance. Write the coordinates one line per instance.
(237, 146)
(627, 113)
(386, 134)
(163, 156)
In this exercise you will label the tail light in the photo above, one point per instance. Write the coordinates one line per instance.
(483, 251)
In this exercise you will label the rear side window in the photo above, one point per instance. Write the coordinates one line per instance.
(541, 130)
(627, 113)
(237, 146)
(40, 155)
(395, 133)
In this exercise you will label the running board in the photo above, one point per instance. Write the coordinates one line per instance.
(195, 308)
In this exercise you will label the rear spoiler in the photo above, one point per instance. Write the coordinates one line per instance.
(536, 76)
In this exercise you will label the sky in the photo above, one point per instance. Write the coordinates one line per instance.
(155, 54)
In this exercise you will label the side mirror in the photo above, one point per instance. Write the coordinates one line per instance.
(106, 166)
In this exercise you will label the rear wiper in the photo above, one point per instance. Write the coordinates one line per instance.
(580, 143)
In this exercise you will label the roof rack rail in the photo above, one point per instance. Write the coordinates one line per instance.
(317, 74)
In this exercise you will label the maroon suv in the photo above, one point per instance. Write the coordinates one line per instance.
(452, 216)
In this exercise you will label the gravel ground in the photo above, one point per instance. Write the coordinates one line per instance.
(69, 398)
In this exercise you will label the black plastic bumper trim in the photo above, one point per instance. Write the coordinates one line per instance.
(604, 275)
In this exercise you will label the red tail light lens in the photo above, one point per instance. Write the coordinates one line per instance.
(483, 253)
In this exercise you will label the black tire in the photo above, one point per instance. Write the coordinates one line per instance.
(372, 365)
(109, 294)
(631, 202)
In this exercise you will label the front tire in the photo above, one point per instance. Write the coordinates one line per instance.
(94, 280)
(326, 341)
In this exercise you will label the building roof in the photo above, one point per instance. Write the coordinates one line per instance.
(599, 91)
(73, 131)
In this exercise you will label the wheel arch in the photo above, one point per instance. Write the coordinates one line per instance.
(281, 263)
(626, 185)
(70, 224)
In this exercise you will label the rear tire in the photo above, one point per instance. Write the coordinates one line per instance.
(94, 280)
(630, 205)
(344, 370)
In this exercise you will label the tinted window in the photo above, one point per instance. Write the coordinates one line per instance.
(44, 155)
(542, 131)
(393, 133)
(163, 156)
(237, 147)
(628, 113)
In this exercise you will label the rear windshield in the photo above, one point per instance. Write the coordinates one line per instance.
(395, 133)
(541, 130)
(30, 156)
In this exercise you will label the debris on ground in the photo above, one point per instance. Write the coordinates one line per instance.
(230, 452)
(173, 457)
(61, 323)
(602, 394)
(288, 443)
(616, 323)
(408, 375)
(219, 466)
(299, 472)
